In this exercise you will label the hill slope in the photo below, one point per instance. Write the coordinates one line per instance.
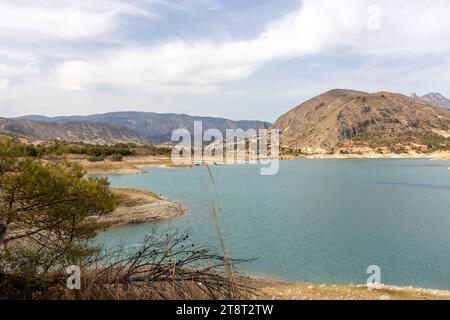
(87, 132)
(155, 126)
(346, 118)
(434, 98)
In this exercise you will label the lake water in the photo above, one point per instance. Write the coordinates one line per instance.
(319, 221)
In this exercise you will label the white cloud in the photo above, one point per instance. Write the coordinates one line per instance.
(4, 84)
(188, 5)
(379, 31)
(5, 70)
(62, 19)
(319, 26)
(408, 28)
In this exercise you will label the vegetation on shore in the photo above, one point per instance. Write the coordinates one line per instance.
(48, 212)
(100, 159)
(92, 152)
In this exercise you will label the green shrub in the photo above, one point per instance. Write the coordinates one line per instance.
(96, 159)
(116, 157)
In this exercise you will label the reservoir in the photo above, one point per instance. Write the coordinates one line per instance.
(318, 221)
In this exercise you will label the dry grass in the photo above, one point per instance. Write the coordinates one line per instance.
(163, 266)
(132, 197)
(94, 288)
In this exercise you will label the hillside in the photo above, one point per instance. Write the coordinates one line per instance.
(157, 127)
(346, 118)
(87, 132)
(434, 98)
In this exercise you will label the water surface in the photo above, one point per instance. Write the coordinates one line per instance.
(320, 221)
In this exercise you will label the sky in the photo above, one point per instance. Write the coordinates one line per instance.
(239, 59)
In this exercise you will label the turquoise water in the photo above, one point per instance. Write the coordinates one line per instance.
(320, 221)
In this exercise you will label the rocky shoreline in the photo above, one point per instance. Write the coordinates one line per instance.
(138, 206)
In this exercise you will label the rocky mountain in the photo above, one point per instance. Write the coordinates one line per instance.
(157, 127)
(434, 98)
(87, 132)
(340, 118)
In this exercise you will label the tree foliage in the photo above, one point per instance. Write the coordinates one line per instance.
(46, 212)
(59, 148)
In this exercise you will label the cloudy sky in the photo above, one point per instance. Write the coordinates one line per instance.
(241, 59)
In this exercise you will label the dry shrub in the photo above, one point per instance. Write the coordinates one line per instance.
(162, 267)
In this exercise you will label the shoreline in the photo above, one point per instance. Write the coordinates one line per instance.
(272, 287)
(139, 206)
(305, 291)
(444, 155)
(129, 165)
(135, 164)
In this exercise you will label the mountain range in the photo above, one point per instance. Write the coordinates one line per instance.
(87, 132)
(434, 98)
(337, 118)
(114, 127)
(347, 118)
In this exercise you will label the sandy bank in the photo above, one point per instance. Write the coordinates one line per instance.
(445, 155)
(134, 165)
(129, 165)
(348, 292)
(137, 206)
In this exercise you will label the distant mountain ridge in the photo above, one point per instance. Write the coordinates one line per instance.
(150, 126)
(87, 132)
(434, 98)
(348, 118)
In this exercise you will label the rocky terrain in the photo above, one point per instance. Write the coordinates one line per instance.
(138, 206)
(86, 132)
(157, 127)
(353, 119)
(434, 98)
